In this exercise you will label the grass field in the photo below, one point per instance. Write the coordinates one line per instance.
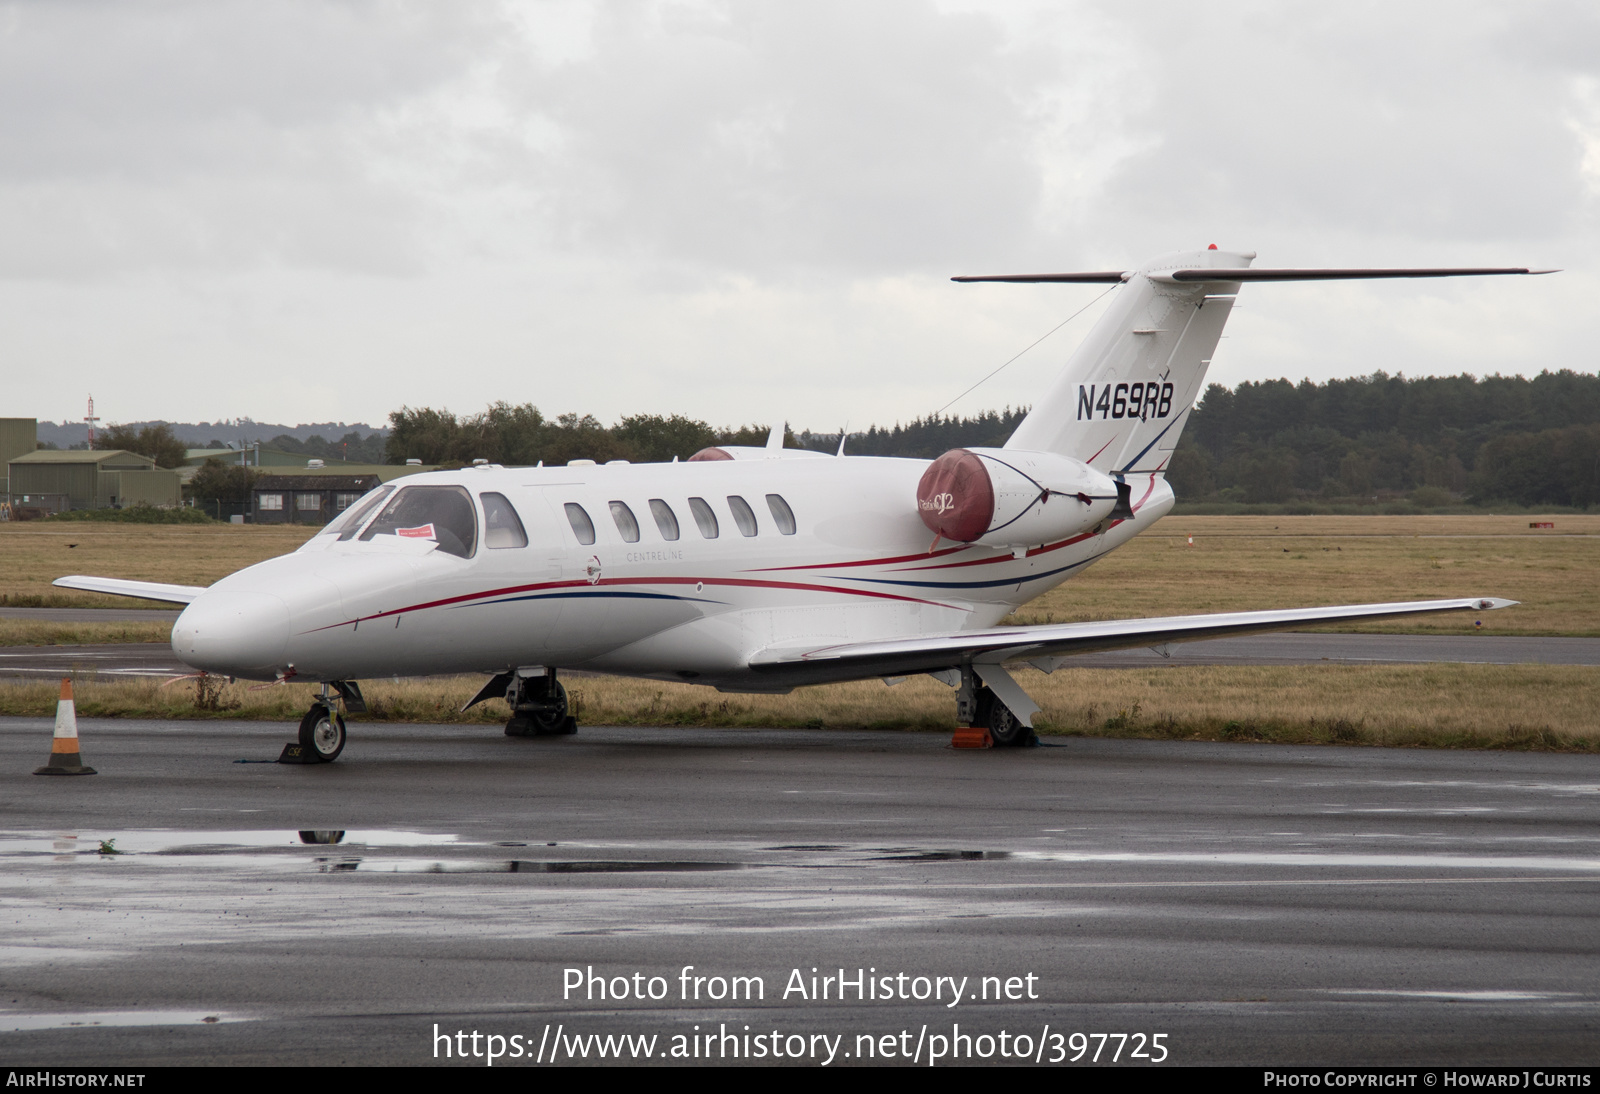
(1452, 706)
(35, 553)
(1237, 563)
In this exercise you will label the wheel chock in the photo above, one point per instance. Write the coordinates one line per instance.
(295, 753)
(972, 737)
(64, 757)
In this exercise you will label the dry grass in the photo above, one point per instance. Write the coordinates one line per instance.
(27, 632)
(35, 554)
(1239, 563)
(1456, 706)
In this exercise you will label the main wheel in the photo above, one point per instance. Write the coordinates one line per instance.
(1004, 727)
(322, 733)
(548, 718)
(553, 721)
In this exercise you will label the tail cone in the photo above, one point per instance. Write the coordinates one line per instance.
(64, 757)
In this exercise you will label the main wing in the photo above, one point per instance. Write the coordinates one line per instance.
(936, 652)
(144, 590)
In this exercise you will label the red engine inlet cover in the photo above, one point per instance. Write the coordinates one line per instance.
(955, 497)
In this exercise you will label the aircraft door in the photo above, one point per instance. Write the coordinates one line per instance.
(534, 570)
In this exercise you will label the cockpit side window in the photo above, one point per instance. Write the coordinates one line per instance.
(501, 525)
(743, 515)
(348, 523)
(582, 526)
(704, 517)
(443, 514)
(627, 523)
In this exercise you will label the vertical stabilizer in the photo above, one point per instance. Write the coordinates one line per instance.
(1121, 402)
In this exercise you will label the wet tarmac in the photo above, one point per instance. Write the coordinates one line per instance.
(1251, 904)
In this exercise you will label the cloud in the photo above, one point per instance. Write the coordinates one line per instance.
(749, 210)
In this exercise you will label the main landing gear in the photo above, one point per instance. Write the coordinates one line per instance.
(322, 734)
(538, 706)
(979, 705)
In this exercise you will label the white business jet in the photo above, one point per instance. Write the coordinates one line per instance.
(762, 569)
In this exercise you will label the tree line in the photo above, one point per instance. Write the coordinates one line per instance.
(1437, 439)
(1434, 440)
(522, 435)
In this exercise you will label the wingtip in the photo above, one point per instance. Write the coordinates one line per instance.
(1490, 603)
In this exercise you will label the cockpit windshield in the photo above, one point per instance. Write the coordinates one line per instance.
(348, 523)
(442, 514)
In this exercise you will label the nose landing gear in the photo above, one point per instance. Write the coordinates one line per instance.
(322, 735)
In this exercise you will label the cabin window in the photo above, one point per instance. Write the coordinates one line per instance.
(782, 515)
(627, 525)
(666, 519)
(443, 514)
(348, 523)
(273, 502)
(582, 526)
(501, 525)
(743, 515)
(704, 517)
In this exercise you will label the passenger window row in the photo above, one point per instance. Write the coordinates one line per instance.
(705, 518)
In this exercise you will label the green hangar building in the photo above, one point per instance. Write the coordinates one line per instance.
(56, 480)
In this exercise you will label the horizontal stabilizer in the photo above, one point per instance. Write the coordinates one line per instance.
(1246, 274)
(903, 656)
(1103, 277)
(144, 590)
(1185, 276)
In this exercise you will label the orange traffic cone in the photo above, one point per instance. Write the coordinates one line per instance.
(64, 758)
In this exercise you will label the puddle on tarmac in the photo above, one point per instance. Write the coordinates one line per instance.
(401, 851)
(12, 1023)
(1461, 996)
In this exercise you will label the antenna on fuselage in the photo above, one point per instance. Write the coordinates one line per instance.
(844, 435)
(775, 440)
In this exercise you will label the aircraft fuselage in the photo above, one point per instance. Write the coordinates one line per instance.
(855, 565)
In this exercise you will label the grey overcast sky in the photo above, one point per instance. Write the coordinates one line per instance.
(749, 211)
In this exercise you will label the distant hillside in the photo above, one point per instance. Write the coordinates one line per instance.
(201, 434)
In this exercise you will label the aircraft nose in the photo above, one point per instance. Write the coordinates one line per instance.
(233, 634)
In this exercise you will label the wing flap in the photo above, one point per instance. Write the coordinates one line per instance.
(926, 653)
(144, 590)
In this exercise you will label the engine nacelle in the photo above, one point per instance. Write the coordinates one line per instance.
(1004, 498)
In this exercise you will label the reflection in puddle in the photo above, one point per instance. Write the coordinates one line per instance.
(521, 866)
(17, 1022)
(159, 841)
(907, 855)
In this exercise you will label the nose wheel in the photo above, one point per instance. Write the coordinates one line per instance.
(322, 733)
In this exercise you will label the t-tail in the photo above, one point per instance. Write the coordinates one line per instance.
(1121, 402)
